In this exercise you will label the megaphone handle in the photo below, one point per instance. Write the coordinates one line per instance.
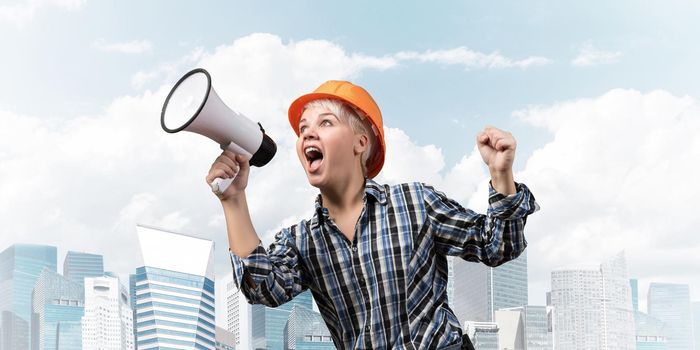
(220, 185)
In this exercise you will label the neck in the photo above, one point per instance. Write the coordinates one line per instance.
(346, 194)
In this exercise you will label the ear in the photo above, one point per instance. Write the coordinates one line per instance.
(360, 144)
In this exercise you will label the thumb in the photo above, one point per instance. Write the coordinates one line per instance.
(243, 163)
(482, 140)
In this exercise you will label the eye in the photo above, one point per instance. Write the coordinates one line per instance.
(326, 122)
(302, 128)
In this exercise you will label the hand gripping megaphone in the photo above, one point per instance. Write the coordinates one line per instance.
(193, 105)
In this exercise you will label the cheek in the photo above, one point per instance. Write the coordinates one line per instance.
(298, 149)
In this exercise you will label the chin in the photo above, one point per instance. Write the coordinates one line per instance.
(315, 181)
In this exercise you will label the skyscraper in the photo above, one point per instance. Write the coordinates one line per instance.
(650, 332)
(306, 330)
(57, 307)
(78, 265)
(670, 303)
(483, 335)
(593, 307)
(634, 287)
(233, 311)
(20, 266)
(524, 327)
(267, 324)
(175, 303)
(108, 320)
(480, 290)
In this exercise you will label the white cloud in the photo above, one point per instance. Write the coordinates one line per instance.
(128, 47)
(83, 184)
(618, 174)
(471, 59)
(589, 55)
(312, 61)
(24, 12)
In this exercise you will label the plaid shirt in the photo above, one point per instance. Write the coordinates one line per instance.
(386, 289)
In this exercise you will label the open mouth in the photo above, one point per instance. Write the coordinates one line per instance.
(314, 156)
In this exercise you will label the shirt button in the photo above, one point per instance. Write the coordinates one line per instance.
(367, 328)
(354, 248)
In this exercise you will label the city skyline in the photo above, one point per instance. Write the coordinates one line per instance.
(58, 303)
(606, 118)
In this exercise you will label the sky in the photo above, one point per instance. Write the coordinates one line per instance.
(601, 96)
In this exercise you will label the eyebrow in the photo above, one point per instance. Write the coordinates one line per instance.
(320, 115)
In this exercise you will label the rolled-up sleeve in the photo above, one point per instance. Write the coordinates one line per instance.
(494, 238)
(270, 277)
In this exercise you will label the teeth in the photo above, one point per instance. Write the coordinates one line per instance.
(311, 149)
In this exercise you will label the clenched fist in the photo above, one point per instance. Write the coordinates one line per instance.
(497, 149)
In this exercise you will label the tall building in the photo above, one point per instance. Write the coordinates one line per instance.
(483, 335)
(132, 302)
(224, 339)
(233, 311)
(593, 307)
(650, 332)
(306, 330)
(57, 307)
(670, 303)
(20, 267)
(108, 320)
(480, 290)
(511, 333)
(175, 304)
(524, 327)
(267, 324)
(77, 266)
(634, 287)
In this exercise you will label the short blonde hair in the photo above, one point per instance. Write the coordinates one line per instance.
(357, 120)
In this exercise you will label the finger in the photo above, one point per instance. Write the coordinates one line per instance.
(243, 162)
(215, 173)
(230, 171)
(504, 144)
(228, 160)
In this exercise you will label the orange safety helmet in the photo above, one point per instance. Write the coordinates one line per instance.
(356, 97)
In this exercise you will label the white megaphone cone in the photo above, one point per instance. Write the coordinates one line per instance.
(193, 105)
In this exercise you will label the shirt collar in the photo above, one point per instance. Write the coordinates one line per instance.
(372, 190)
(375, 190)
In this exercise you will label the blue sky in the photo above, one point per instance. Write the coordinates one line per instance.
(624, 73)
(53, 55)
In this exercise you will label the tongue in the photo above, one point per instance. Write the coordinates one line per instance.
(315, 164)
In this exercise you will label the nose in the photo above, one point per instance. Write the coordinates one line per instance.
(309, 133)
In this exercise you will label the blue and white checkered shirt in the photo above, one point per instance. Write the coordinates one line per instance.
(386, 289)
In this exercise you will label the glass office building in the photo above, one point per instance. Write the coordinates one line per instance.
(78, 265)
(20, 267)
(174, 289)
(670, 303)
(480, 290)
(650, 332)
(57, 307)
(267, 324)
(306, 330)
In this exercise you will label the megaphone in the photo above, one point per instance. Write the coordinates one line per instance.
(193, 105)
